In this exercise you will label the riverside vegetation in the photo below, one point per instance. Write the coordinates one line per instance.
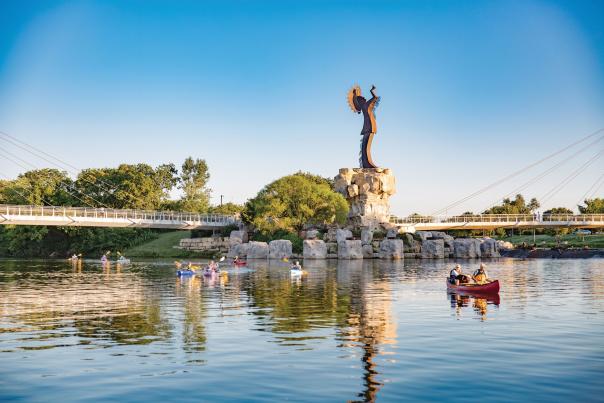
(283, 209)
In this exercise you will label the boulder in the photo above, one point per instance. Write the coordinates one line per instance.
(441, 235)
(366, 236)
(489, 248)
(391, 249)
(424, 235)
(279, 249)
(312, 234)
(466, 248)
(240, 249)
(433, 249)
(314, 249)
(332, 247)
(237, 237)
(343, 234)
(392, 233)
(257, 250)
(350, 249)
(330, 235)
(367, 191)
(505, 245)
(450, 244)
(367, 251)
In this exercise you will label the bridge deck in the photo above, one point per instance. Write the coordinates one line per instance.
(100, 217)
(494, 221)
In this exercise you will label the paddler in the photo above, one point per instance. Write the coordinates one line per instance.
(296, 266)
(454, 274)
(480, 275)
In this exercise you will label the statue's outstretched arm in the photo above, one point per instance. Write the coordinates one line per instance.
(373, 92)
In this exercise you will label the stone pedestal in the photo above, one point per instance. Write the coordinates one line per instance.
(368, 191)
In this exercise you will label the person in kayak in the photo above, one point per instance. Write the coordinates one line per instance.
(456, 276)
(480, 276)
(236, 260)
(296, 266)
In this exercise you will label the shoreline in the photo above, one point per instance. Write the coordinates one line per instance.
(552, 253)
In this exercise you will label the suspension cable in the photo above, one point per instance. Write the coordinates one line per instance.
(74, 170)
(516, 173)
(65, 187)
(547, 196)
(543, 174)
(595, 188)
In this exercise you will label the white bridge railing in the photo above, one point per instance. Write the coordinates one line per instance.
(503, 218)
(489, 221)
(85, 216)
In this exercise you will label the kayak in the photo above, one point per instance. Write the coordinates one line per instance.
(295, 272)
(123, 261)
(185, 273)
(240, 263)
(489, 288)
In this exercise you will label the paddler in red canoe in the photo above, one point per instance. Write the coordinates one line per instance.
(456, 276)
(480, 276)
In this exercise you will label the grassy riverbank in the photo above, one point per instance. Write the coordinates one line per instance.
(549, 241)
(163, 246)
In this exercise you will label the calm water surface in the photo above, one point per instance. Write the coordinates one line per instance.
(349, 331)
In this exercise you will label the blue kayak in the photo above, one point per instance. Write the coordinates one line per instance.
(185, 273)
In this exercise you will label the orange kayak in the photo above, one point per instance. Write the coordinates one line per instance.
(489, 288)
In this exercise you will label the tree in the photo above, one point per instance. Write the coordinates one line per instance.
(193, 182)
(128, 186)
(558, 210)
(227, 209)
(41, 187)
(293, 201)
(593, 206)
(516, 206)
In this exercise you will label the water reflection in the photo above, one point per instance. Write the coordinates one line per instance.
(360, 307)
(479, 303)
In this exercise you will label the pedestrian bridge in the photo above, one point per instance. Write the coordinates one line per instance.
(115, 218)
(494, 221)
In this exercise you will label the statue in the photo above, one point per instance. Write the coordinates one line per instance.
(359, 104)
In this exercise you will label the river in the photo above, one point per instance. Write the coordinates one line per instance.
(347, 331)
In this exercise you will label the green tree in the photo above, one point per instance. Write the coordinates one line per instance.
(293, 201)
(129, 186)
(593, 206)
(41, 187)
(516, 206)
(227, 209)
(193, 182)
(558, 210)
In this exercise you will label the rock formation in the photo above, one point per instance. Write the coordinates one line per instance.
(257, 250)
(350, 249)
(314, 249)
(367, 191)
(433, 249)
(391, 249)
(466, 248)
(279, 249)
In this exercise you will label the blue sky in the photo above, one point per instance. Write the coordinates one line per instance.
(470, 90)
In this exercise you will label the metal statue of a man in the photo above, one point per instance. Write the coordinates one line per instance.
(359, 104)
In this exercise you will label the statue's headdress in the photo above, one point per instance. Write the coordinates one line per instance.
(353, 93)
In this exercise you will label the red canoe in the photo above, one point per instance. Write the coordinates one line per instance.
(489, 288)
(240, 263)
